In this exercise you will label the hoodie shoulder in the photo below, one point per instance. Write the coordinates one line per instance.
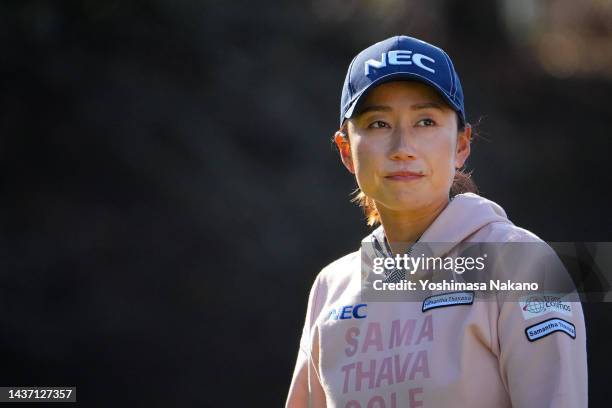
(333, 281)
(341, 268)
(476, 218)
(503, 231)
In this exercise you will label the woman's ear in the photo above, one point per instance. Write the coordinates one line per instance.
(462, 152)
(344, 148)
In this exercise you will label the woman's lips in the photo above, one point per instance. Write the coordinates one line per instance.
(403, 176)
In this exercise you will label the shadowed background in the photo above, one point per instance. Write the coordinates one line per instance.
(169, 189)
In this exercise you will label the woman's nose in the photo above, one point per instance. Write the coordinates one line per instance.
(402, 146)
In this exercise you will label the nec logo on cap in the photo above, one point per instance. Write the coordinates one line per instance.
(400, 57)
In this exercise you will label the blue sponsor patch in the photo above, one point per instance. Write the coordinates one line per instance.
(448, 299)
(548, 327)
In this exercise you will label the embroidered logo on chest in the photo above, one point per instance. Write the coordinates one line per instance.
(448, 299)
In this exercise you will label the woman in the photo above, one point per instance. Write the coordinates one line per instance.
(403, 134)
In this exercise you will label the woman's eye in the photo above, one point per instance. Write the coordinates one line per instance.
(426, 122)
(378, 124)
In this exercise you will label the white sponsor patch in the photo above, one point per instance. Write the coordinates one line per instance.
(448, 299)
(538, 305)
(543, 329)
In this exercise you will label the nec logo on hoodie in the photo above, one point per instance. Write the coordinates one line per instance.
(358, 311)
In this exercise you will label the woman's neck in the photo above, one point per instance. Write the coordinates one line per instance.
(405, 227)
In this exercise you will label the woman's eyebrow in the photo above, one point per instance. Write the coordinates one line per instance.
(375, 108)
(427, 105)
(385, 108)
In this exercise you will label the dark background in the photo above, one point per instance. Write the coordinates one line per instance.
(169, 190)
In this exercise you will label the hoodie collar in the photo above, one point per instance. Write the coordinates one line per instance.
(464, 215)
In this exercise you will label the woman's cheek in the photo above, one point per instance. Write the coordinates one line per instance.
(363, 173)
(365, 167)
(443, 165)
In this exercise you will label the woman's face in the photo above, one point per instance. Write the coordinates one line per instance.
(404, 146)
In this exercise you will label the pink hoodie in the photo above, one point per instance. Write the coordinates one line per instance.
(359, 354)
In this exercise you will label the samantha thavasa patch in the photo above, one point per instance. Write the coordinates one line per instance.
(448, 299)
(547, 327)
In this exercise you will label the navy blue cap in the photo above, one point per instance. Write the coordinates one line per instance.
(401, 58)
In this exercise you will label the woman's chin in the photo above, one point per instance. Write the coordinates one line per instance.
(410, 201)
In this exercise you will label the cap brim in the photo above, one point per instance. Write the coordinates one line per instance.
(408, 76)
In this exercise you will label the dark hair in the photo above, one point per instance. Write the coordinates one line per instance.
(462, 183)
